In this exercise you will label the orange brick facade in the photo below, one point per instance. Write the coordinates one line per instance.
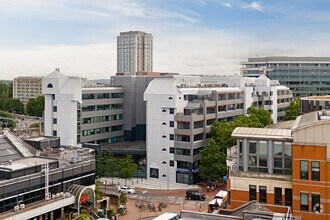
(310, 153)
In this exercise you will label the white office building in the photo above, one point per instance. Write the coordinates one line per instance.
(134, 52)
(62, 106)
(82, 115)
(180, 111)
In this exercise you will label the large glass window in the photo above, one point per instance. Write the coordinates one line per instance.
(252, 147)
(222, 96)
(304, 169)
(278, 196)
(304, 201)
(263, 194)
(252, 192)
(315, 170)
(316, 203)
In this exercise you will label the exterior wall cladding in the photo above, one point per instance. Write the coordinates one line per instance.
(305, 76)
(30, 187)
(287, 168)
(180, 113)
(102, 115)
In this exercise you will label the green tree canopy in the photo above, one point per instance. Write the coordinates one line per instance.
(7, 123)
(127, 167)
(35, 107)
(108, 165)
(123, 198)
(213, 156)
(293, 111)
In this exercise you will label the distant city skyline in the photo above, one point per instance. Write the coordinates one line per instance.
(190, 36)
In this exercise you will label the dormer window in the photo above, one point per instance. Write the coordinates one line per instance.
(50, 85)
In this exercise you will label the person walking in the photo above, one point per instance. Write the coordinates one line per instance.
(208, 188)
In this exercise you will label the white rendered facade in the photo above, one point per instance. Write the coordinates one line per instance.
(180, 112)
(134, 52)
(62, 106)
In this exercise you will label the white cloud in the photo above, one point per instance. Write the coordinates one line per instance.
(254, 5)
(227, 4)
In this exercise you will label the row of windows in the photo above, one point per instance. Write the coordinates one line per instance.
(229, 96)
(103, 95)
(315, 168)
(98, 119)
(277, 195)
(91, 108)
(102, 130)
(230, 107)
(109, 140)
(304, 203)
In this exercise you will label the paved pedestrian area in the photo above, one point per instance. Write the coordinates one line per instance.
(155, 184)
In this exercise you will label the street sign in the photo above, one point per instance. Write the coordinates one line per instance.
(144, 191)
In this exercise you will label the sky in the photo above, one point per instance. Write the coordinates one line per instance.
(189, 36)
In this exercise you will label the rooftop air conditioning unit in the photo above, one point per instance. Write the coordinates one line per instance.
(16, 208)
(57, 195)
(61, 193)
(22, 206)
(53, 196)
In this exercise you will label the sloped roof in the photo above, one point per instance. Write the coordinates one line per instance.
(262, 133)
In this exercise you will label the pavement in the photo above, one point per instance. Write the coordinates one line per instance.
(153, 191)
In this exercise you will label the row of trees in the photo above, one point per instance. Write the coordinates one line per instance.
(213, 156)
(110, 166)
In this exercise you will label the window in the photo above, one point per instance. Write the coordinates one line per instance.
(304, 201)
(171, 137)
(171, 124)
(316, 203)
(263, 194)
(288, 197)
(54, 120)
(171, 163)
(253, 192)
(171, 111)
(50, 85)
(278, 196)
(171, 150)
(252, 147)
(231, 96)
(54, 108)
(222, 96)
(164, 110)
(304, 169)
(54, 133)
(221, 108)
(315, 170)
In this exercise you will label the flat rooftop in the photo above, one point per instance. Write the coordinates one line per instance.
(317, 98)
(26, 162)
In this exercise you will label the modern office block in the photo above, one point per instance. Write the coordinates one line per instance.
(305, 76)
(180, 111)
(26, 87)
(134, 86)
(63, 100)
(102, 115)
(82, 115)
(134, 52)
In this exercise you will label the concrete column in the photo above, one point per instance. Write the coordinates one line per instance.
(245, 155)
(270, 159)
(40, 217)
(62, 213)
(52, 216)
(237, 144)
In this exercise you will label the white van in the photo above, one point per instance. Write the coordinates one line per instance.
(167, 216)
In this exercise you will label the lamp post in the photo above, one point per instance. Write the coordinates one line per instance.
(105, 193)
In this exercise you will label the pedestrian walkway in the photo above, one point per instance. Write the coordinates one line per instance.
(148, 184)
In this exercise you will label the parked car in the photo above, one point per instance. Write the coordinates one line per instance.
(195, 195)
(126, 189)
(122, 209)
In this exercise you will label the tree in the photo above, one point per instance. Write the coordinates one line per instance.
(7, 122)
(127, 167)
(123, 198)
(84, 217)
(107, 165)
(213, 156)
(98, 193)
(35, 107)
(210, 168)
(293, 111)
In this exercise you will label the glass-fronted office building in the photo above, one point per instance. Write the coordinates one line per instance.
(305, 76)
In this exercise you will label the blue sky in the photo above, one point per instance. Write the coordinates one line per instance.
(190, 36)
